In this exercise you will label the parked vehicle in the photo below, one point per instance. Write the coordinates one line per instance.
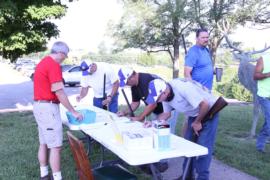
(20, 63)
(66, 67)
(72, 75)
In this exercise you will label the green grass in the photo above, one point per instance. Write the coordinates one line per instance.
(235, 148)
(19, 144)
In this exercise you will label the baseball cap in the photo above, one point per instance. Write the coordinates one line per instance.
(155, 88)
(124, 74)
(60, 47)
(86, 66)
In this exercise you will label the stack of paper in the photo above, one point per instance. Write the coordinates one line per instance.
(137, 139)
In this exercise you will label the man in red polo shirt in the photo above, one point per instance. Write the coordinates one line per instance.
(48, 93)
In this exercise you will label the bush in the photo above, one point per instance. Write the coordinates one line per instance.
(130, 57)
(234, 90)
(146, 59)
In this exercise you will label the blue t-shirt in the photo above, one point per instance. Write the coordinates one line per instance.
(199, 59)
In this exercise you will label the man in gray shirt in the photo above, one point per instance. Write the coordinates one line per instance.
(193, 99)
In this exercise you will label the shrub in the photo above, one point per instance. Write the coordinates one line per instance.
(146, 59)
(233, 89)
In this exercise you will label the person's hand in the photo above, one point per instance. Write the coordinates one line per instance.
(197, 126)
(136, 118)
(162, 121)
(77, 115)
(147, 124)
(107, 101)
(121, 113)
(78, 98)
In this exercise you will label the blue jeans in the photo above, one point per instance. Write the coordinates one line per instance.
(206, 138)
(173, 121)
(265, 131)
(113, 106)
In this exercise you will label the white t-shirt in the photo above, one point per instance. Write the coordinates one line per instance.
(96, 80)
(187, 97)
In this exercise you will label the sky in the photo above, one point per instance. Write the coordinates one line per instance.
(85, 23)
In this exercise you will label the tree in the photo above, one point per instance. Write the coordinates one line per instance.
(154, 26)
(157, 25)
(25, 25)
(210, 13)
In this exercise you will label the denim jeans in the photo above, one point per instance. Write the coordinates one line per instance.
(113, 106)
(265, 131)
(206, 138)
(173, 121)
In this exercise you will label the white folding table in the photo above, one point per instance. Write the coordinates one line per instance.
(103, 133)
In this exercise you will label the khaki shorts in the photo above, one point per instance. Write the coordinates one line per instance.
(49, 122)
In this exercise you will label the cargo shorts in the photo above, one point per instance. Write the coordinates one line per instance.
(50, 129)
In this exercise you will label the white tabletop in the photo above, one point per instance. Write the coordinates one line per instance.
(102, 131)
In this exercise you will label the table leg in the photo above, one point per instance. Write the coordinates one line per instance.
(155, 172)
(88, 142)
(102, 155)
(186, 168)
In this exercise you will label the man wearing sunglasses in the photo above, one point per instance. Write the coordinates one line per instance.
(48, 94)
(193, 99)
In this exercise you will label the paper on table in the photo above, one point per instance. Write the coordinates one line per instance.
(117, 133)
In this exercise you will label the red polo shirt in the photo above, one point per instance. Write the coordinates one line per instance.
(47, 72)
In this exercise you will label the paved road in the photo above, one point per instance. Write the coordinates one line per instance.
(16, 91)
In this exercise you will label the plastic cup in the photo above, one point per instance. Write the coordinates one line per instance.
(219, 72)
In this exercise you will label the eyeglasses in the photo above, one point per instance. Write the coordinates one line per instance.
(65, 54)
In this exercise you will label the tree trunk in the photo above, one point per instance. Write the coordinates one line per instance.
(214, 55)
(213, 49)
(214, 44)
(175, 68)
(175, 59)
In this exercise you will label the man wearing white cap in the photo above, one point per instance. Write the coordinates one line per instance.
(191, 98)
(96, 76)
(139, 90)
(48, 93)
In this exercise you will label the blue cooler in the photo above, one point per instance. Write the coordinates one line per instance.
(89, 117)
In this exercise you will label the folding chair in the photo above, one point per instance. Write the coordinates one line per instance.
(110, 172)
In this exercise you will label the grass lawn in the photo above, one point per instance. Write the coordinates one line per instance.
(19, 146)
(19, 143)
(233, 146)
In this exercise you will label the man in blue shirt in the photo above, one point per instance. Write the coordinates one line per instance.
(198, 64)
(198, 61)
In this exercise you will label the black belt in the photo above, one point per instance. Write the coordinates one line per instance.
(47, 101)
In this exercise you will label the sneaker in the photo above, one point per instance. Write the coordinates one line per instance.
(48, 177)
